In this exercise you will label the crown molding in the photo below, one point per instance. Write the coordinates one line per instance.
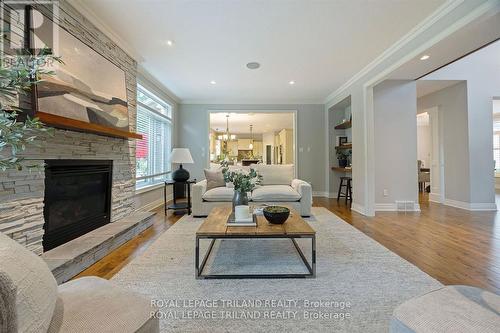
(252, 102)
(90, 15)
(439, 13)
(144, 75)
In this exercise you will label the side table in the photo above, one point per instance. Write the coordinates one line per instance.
(178, 206)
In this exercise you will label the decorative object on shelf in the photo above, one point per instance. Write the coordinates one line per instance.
(244, 181)
(276, 214)
(180, 156)
(342, 140)
(343, 156)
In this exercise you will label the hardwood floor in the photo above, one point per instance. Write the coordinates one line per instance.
(452, 245)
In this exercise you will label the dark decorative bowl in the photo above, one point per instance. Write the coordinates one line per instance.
(276, 214)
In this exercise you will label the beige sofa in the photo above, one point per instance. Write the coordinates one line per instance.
(31, 300)
(278, 188)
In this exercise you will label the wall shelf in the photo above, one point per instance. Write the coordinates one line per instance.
(341, 169)
(344, 125)
(347, 146)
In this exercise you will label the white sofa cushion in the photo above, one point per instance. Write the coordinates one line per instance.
(36, 286)
(275, 174)
(270, 193)
(219, 194)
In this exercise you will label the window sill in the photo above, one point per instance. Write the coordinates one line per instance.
(148, 188)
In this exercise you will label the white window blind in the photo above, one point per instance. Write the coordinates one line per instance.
(153, 151)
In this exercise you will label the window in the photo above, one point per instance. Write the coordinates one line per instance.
(154, 122)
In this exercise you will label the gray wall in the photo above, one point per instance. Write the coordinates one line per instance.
(193, 134)
(452, 109)
(482, 73)
(362, 115)
(395, 129)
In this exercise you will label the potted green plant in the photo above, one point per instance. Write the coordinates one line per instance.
(244, 181)
(343, 157)
(18, 75)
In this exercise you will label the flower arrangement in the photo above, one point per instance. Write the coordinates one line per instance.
(243, 180)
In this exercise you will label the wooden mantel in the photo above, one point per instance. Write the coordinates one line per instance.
(82, 126)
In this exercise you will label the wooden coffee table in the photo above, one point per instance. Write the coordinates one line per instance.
(214, 227)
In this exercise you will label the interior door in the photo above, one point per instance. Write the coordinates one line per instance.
(437, 160)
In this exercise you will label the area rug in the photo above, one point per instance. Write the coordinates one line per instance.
(358, 284)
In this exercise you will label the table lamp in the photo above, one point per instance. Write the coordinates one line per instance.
(180, 156)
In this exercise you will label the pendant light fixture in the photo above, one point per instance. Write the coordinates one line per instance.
(250, 146)
(227, 136)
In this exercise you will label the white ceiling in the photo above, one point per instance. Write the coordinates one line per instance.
(318, 44)
(426, 87)
(465, 40)
(239, 123)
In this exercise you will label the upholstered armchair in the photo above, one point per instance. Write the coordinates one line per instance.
(31, 301)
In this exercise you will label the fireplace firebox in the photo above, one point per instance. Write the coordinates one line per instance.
(77, 199)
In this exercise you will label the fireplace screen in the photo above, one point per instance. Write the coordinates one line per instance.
(77, 199)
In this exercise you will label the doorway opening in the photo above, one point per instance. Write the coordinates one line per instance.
(245, 138)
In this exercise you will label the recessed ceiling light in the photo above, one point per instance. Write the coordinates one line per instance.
(425, 57)
(253, 65)
(291, 82)
(169, 42)
(213, 82)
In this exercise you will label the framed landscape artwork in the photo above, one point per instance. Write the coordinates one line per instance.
(86, 87)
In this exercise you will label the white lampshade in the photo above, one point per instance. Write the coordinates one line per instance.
(181, 155)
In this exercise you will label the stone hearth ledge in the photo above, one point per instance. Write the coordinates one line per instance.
(73, 257)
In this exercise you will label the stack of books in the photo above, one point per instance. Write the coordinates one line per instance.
(251, 221)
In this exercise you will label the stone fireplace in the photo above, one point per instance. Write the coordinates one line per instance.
(22, 192)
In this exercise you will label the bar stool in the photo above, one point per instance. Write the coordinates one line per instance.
(348, 189)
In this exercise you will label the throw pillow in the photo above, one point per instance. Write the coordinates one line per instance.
(214, 178)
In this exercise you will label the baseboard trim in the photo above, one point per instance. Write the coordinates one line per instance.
(358, 208)
(392, 207)
(320, 194)
(471, 206)
(154, 204)
(385, 207)
(433, 197)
